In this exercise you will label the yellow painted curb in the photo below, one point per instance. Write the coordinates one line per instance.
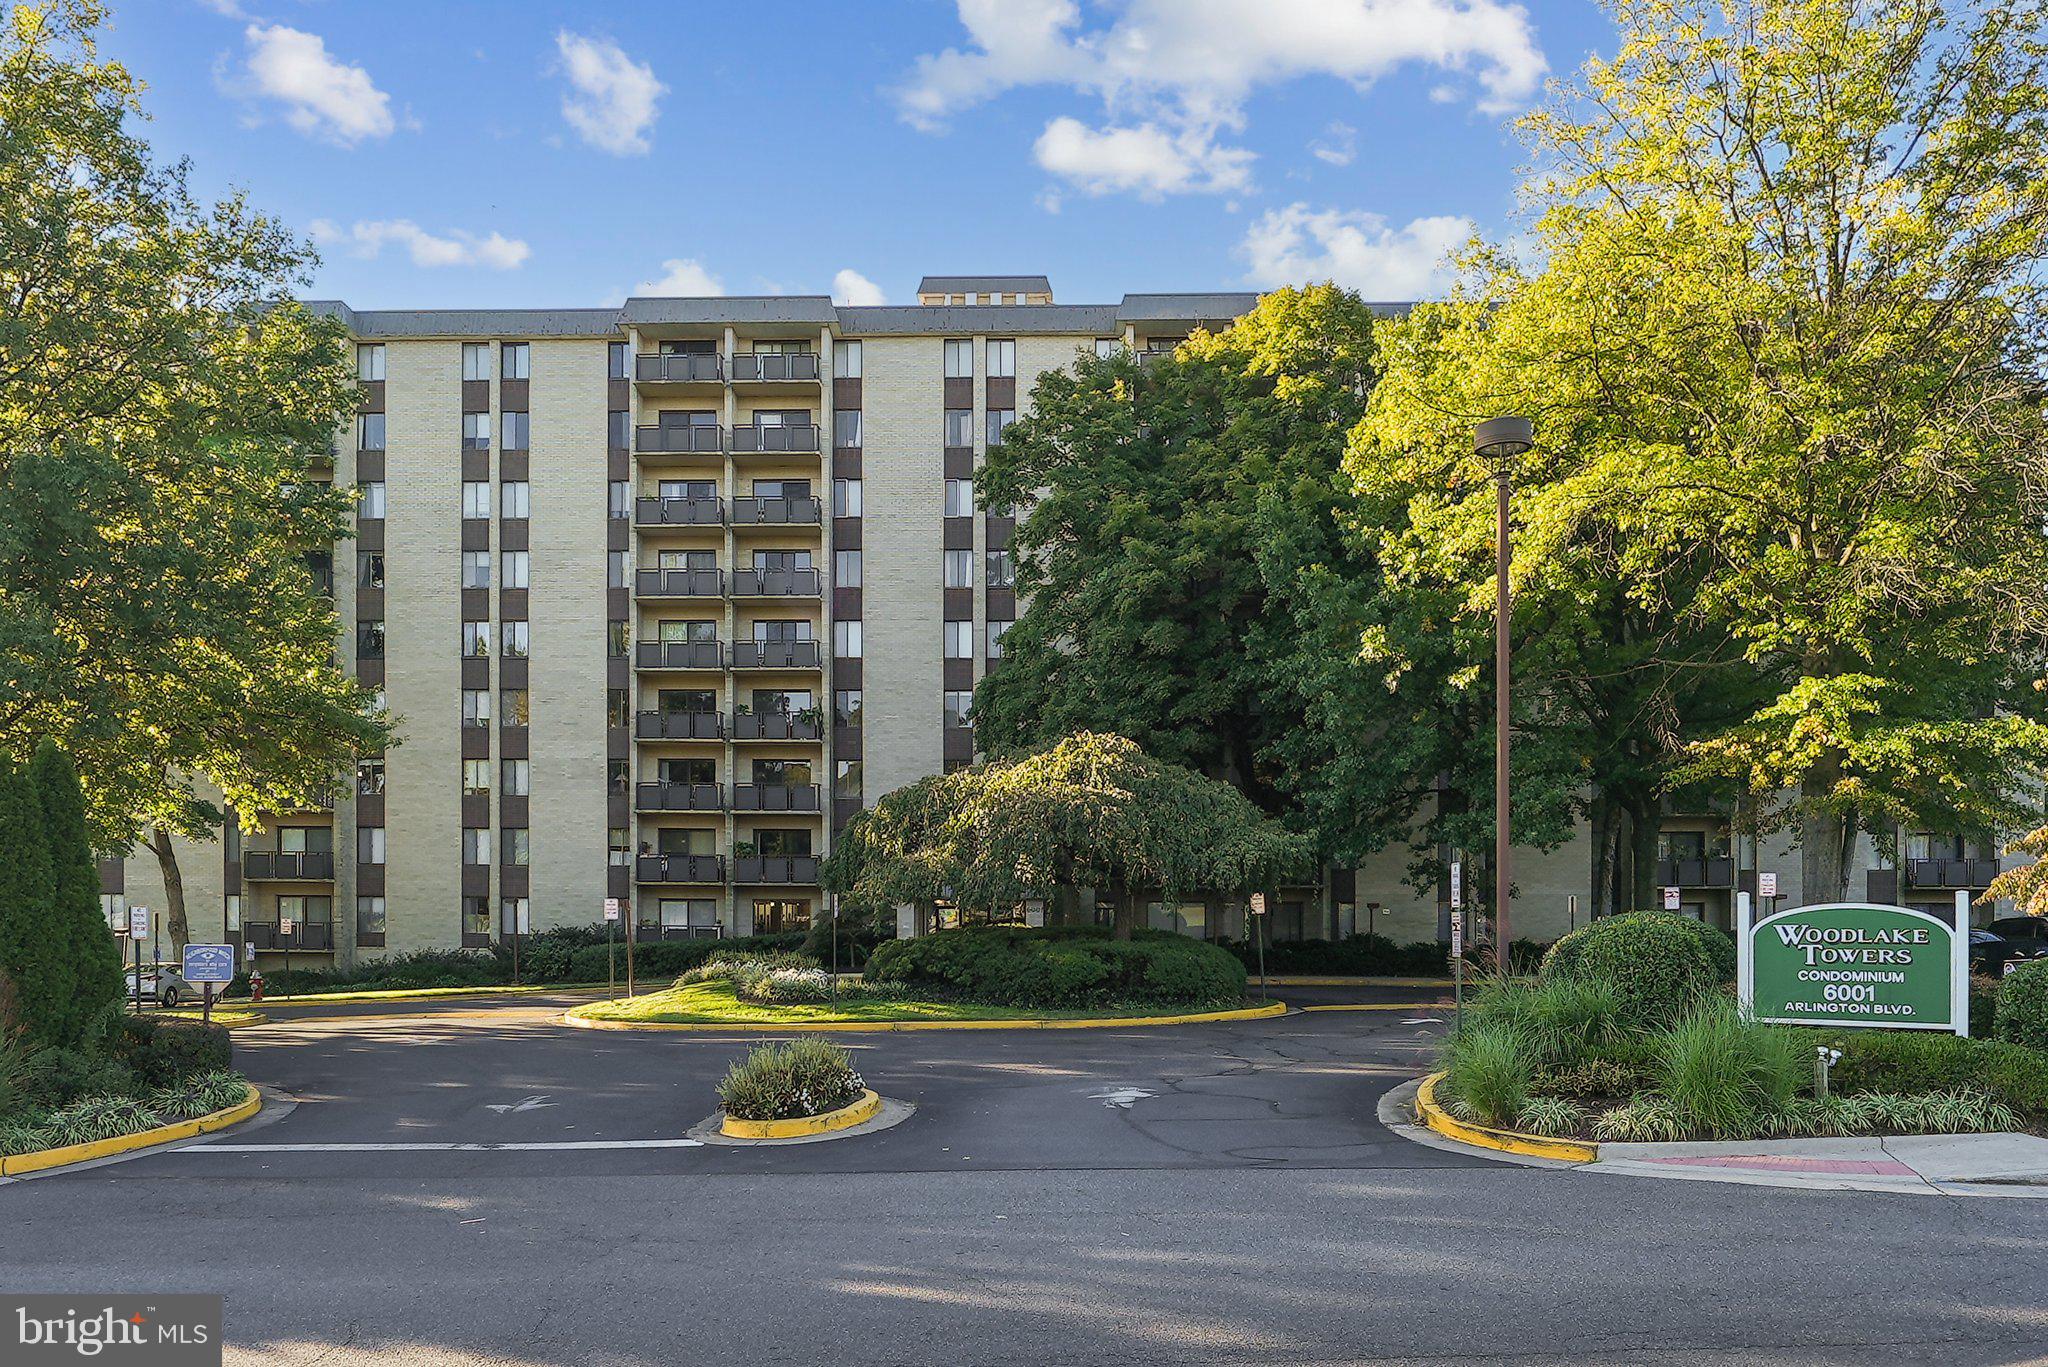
(142, 1139)
(226, 1020)
(845, 1118)
(1381, 1006)
(1486, 1137)
(403, 994)
(571, 1017)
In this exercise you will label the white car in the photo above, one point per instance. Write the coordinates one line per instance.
(164, 984)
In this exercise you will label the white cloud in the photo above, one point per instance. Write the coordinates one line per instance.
(613, 100)
(368, 238)
(322, 96)
(230, 9)
(1338, 145)
(852, 288)
(684, 277)
(1146, 160)
(1298, 244)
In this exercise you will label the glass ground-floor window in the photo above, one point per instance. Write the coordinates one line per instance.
(1185, 918)
(302, 911)
(369, 916)
(774, 916)
(682, 913)
(476, 916)
(515, 916)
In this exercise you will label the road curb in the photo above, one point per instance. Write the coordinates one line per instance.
(241, 1020)
(1269, 1010)
(21, 1164)
(1487, 1137)
(845, 1118)
(407, 994)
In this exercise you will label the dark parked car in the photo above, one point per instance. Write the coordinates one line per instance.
(2007, 943)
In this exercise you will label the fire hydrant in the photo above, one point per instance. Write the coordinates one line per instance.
(255, 985)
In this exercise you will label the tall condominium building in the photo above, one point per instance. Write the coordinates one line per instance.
(663, 594)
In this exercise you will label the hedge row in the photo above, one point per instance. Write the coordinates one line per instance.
(1061, 966)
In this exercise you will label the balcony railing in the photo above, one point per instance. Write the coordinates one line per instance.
(679, 654)
(679, 512)
(679, 439)
(776, 512)
(775, 655)
(775, 583)
(304, 866)
(1718, 872)
(774, 365)
(679, 797)
(666, 367)
(304, 935)
(680, 868)
(776, 726)
(775, 437)
(1951, 873)
(679, 583)
(775, 797)
(679, 725)
(776, 868)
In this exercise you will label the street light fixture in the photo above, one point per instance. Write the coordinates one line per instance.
(1498, 441)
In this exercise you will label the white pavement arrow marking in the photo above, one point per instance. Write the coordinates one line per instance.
(532, 1103)
(1121, 1097)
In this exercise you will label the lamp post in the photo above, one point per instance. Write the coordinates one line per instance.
(1498, 441)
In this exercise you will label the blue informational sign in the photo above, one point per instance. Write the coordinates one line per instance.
(209, 963)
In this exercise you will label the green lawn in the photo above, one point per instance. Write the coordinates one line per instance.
(713, 1003)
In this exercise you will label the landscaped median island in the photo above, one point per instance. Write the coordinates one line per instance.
(984, 974)
(1629, 1033)
(788, 1091)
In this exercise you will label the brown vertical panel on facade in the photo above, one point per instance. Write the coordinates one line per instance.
(618, 602)
(846, 393)
(476, 534)
(845, 605)
(476, 396)
(846, 673)
(369, 605)
(512, 673)
(846, 533)
(512, 741)
(512, 395)
(476, 742)
(618, 672)
(618, 809)
(370, 880)
(113, 875)
(959, 533)
(476, 809)
(1002, 391)
(1002, 605)
(999, 531)
(476, 673)
(513, 533)
(618, 881)
(618, 534)
(512, 604)
(370, 810)
(476, 881)
(373, 395)
(513, 810)
(959, 675)
(960, 391)
(958, 462)
(618, 743)
(369, 465)
(846, 462)
(959, 604)
(370, 673)
(618, 394)
(618, 465)
(959, 743)
(515, 464)
(515, 880)
(370, 534)
(476, 604)
(476, 465)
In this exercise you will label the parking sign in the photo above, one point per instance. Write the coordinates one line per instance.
(209, 963)
(138, 923)
(1671, 899)
(1767, 885)
(611, 908)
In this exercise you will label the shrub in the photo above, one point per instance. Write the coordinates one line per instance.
(786, 986)
(1563, 1018)
(1060, 966)
(668, 958)
(99, 1117)
(1908, 1062)
(1983, 1007)
(1592, 1079)
(59, 1077)
(858, 936)
(1352, 956)
(1653, 961)
(1489, 1067)
(1550, 1115)
(2022, 1011)
(808, 1076)
(198, 1094)
(738, 964)
(1646, 1118)
(162, 1052)
(1727, 1076)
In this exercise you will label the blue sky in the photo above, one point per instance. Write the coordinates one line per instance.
(464, 153)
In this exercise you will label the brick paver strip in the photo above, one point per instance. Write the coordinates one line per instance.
(1865, 1167)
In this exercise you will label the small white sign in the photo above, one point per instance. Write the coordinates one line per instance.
(1457, 886)
(1767, 885)
(611, 908)
(1258, 904)
(1457, 934)
(1671, 899)
(138, 923)
(286, 925)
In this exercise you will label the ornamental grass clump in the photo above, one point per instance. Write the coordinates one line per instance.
(802, 1077)
(1724, 1075)
(1490, 1065)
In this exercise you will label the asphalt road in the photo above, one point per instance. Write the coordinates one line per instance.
(1198, 1194)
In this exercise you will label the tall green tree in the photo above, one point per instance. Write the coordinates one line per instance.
(164, 425)
(77, 926)
(32, 943)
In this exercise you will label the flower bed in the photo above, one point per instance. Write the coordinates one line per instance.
(788, 1081)
(109, 1116)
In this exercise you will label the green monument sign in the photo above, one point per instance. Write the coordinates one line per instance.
(1856, 964)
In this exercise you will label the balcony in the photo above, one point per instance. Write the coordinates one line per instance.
(775, 367)
(776, 512)
(775, 583)
(679, 655)
(679, 726)
(776, 726)
(1696, 873)
(680, 439)
(798, 437)
(304, 935)
(678, 797)
(679, 368)
(680, 868)
(776, 868)
(776, 655)
(775, 797)
(679, 583)
(678, 512)
(305, 866)
(1951, 873)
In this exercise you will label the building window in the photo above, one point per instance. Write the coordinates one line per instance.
(616, 357)
(476, 845)
(476, 569)
(517, 850)
(618, 707)
(1002, 570)
(958, 710)
(516, 641)
(621, 498)
(370, 361)
(846, 427)
(476, 640)
(512, 709)
(476, 917)
(846, 706)
(620, 846)
(619, 775)
(959, 358)
(846, 780)
(959, 641)
(369, 569)
(959, 427)
(517, 565)
(995, 638)
(846, 498)
(476, 707)
(369, 844)
(619, 639)
(372, 506)
(959, 569)
(476, 498)
(369, 916)
(476, 360)
(370, 640)
(846, 569)
(370, 777)
(846, 642)
(512, 429)
(999, 420)
(846, 360)
(619, 429)
(476, 431)
(515, 915)
(476, 778)
(515, 777)
(959, 498)
(516, 357)
(369, 432)
(619, 564)
(1106, 347)
(515, 499)
(1002, 359)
